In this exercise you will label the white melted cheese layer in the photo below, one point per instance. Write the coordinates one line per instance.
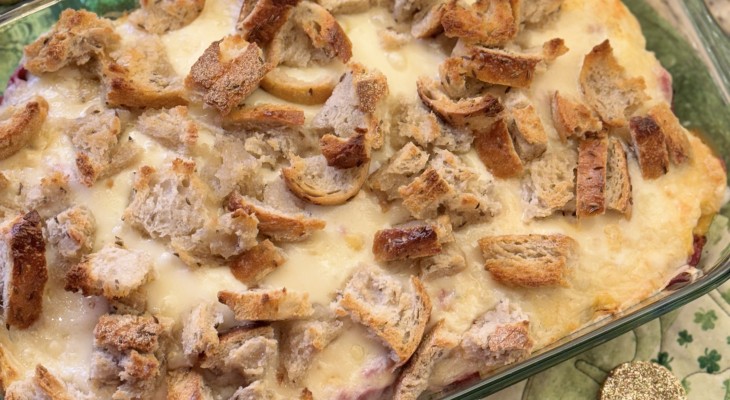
(621, 261)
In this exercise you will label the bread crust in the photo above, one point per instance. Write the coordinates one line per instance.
(495, 148)
(300, 182)
(427, 22)
(492, 23)
(403, 243)
(264, 117)
(346, 153)
(215, 356)
(24, 269)
(256, 263)
(675, 136)
(500, 67)
(124, 333)
(527, 131)
(266, 304)
(650, 146)
(260, 20)
(591, 177)
(19, 129)
(187, 384)
(572, 118)
(460, 113)
(283, 86)
(618, 179)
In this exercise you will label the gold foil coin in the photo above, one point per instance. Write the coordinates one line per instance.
(641, 380)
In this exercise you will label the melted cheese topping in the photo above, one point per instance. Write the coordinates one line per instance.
(621, 260)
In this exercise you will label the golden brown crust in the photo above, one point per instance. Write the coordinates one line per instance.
(425, 193)
(492, 23)
(553, 49)
(25, 272)
(264, 117)
(260, 20)
(618, 180)
(500, 67)
(528, 133)
(186, 384)
(123, 333)
(427, 22)
(403, 243)
(123, 90)
(215, 357)
(573, 118)
(675, 136)
(50, 385)
(266, 304)
(24, 123)
(345, 153)
(8, 369)
(495, 148)
(255, 263)
(650, 147)
(283, 86)
(304, 178)
(529, 260)
(464, 112)
(590, 195)
(324, 31)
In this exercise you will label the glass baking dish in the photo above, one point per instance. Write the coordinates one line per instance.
(687, 41)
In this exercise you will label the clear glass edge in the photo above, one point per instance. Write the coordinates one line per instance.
(705, 37)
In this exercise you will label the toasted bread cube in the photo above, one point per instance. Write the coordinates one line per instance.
(492, 23)
(675, 135)
(411, 240)
(199, 329)
(526, 129)
(501, 67)
(264, 117)
(467, 112)
(549, 184)
(171, 127)
(499, 337)
(312, 180)
(186, 384)
(572, 118)
(497, 151)
(591, 178)
(260, 20)
(24, 123)
(279, 225)
(158, 17)
(112, 272)
(43, 385)
(303, 339)
(618, 180)
(256, 263)
(72, 232)
(650, 146)
(402, 166)
(345, 153)
(251, 352)
(266, 304)
(124, 333)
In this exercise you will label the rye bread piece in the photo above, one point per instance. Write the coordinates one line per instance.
(124, 333)
(187, 384)
(529, 260)
(24, 123)
(112, 272)
(264, 117)
(435, 345)
(312, 180)
(199, 334)
(549, 184)
(449, 262)
(162, 16)
(260, 20)
(284, 86)
(254, 264)
(72, 232)
(139, 75)
(466, 112)
(415, 122)
(526, 129)
(302, 340)
(412, 240)
(500, 67)
(278, 225)
(606, 87)
(24, 271)
(250, 352)
(76, 38)
(675, 136)
(497, 151)
(618, 180)
(344, 153)
(591, 177)
(492, 23)
(266, 304)
(227, 72)
(650, 146)
(399, 170)
(572, 118)
(100, 150)
(42, 385)
(171, 127)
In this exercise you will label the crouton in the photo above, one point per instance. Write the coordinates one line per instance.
(449, 262)
(497, 151)
(254, 264)
(572, 118)
(260, 20)
(526, 129)
(250, 352)
(76, 38)
(457, 81)
(554, 48)
(606, 87)
(158, 17)
(402, 166)
(8, 369)
(278, 225)
(618, 180)
(171, 127)
(500, 67)
(24, 271)
(284, 86)
(591, 176)
(436, 345)
(24, 123)
(529, 260)
(650, 146)
(49, 197)
(266, 304)
(43, 385)
(549, 184)
(139, 75)
(264, 117)
(224, 236)
(346, 153)
(427, 21)
(492, 23)
(229, 167)
(229, 70)
(199, 333)
(186, 384)
(311, 179)
(470, 111)
(124, 333)
(412, 240)
(423, 196)
(255, 391)
(416, 123)
(301, 340)
(139, 373)
(675, 136)
(396, 313)
(112, 272)
(72, 232)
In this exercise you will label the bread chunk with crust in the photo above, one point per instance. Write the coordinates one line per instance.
(171, 127)
(199, 333)
(162, 16)
(434, 347)
(572, 118)
(675, 136)
(465, 112)
(260, 20)
(266, 304)
(24, 123)
(312, 180)
(412, 240)
(427, 21)
(526, 129)
(416, 123)
(618, 180)
(497, 151)
(264, 117)
(500, 67)
(254, 264)
(72, 232)
(248, 351)
(396, 312)
(591, 177)
(42, 386)
(281, 84)
(76, 38)
(492, 23)
(549, 184)
(123, 333)
(228, 71)
(650, 146)
(606, 87)
(529, 260)
(229, 167)
(24, 270)
(449, 262)
(187, 384)
(112, 272)
(139, 75)
(49, 197)
(301, 340)
(399, 170)
(346, 153)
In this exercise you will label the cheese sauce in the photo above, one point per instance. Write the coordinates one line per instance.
(621, 260)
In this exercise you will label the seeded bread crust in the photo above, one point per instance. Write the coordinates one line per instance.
(590, 198)
(497, 151)
(24, 123)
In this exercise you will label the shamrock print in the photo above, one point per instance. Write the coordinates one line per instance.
(709, 361)
(684, 338)
(706, 319)
(663, 359)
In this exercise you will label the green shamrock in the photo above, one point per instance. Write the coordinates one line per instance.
(706, 319)
(663, 359)
(685, 337)
(708, 362)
